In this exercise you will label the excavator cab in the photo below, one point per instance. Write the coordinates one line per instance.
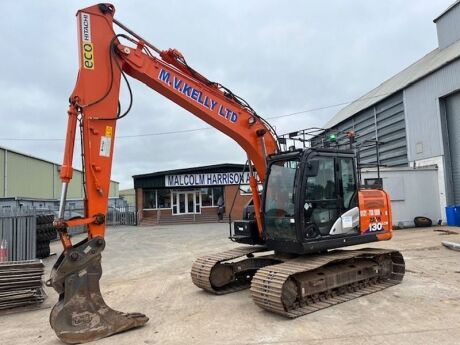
(312, 203)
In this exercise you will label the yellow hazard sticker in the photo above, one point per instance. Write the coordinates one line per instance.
(108, 131)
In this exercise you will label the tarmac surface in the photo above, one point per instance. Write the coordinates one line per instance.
(147, 269)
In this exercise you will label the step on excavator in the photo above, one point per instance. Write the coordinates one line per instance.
(310, 205)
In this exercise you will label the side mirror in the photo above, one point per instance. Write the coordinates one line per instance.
(312, 168)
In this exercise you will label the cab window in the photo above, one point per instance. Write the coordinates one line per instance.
(347, 182)
(322, 186)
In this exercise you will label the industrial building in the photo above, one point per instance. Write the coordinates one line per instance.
(30, 181)
(415, 117)
(192, 195)
(128, 195)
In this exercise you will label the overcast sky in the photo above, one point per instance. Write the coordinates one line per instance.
(281, 56)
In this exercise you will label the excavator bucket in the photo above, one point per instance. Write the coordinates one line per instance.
(81, 315)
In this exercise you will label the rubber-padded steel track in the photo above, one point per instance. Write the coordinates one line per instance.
(202, 267)
(268, 283)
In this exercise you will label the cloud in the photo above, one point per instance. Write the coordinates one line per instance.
(282, 57)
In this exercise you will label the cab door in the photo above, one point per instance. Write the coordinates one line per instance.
(279, 201)
(348, 219)
(330, 197)
(321, 202)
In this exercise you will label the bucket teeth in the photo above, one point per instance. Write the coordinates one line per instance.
(81, 314)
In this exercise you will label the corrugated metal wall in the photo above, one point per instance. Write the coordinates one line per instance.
(421, 101)
(2, 173)
(114, 189)
(29, 177)
(423, 119)
(35, 178)
(386, 122)
(448, 27)
(129, 195)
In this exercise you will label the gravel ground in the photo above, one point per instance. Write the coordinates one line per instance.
(147, 269)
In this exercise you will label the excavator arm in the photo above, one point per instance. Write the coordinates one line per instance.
(81, 314)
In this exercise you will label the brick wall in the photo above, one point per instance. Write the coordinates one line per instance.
(240, 201)
(139, 202)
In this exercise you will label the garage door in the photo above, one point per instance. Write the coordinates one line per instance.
(453, 125)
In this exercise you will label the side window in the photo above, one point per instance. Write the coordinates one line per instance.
(149, 199)
(348, 181)
(322, 186)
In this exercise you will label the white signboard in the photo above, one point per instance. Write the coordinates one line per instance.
(210, 179)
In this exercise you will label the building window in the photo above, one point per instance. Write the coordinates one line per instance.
(149, 199)
(206, 197)
(163, 198)
(210, 196)
(156, 199)
(218, 192)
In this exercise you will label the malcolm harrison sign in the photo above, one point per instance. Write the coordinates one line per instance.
(209, 179)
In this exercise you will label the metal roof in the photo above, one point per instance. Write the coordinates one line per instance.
(431, 62)
(447, 10)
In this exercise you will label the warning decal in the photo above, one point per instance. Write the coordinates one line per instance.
(104, 150)
(108, 131)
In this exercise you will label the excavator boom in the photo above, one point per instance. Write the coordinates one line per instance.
(94, 105)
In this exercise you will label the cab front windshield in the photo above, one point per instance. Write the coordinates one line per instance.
(279, 200)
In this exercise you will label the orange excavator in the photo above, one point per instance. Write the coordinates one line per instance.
(310, 204)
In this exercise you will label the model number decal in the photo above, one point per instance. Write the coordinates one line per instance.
(375, 227)
(87, 45)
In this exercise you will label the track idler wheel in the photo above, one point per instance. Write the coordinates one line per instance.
(81, 315)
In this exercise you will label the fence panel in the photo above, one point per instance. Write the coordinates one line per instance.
(121, 216)
(18, 228)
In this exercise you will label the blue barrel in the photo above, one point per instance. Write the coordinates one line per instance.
(451, 215)
(457, 215)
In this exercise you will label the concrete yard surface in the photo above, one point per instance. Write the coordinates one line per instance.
(147, 269)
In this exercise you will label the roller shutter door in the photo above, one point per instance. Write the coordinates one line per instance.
(453, 127)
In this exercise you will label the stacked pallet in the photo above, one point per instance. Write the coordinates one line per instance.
(21, 283)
